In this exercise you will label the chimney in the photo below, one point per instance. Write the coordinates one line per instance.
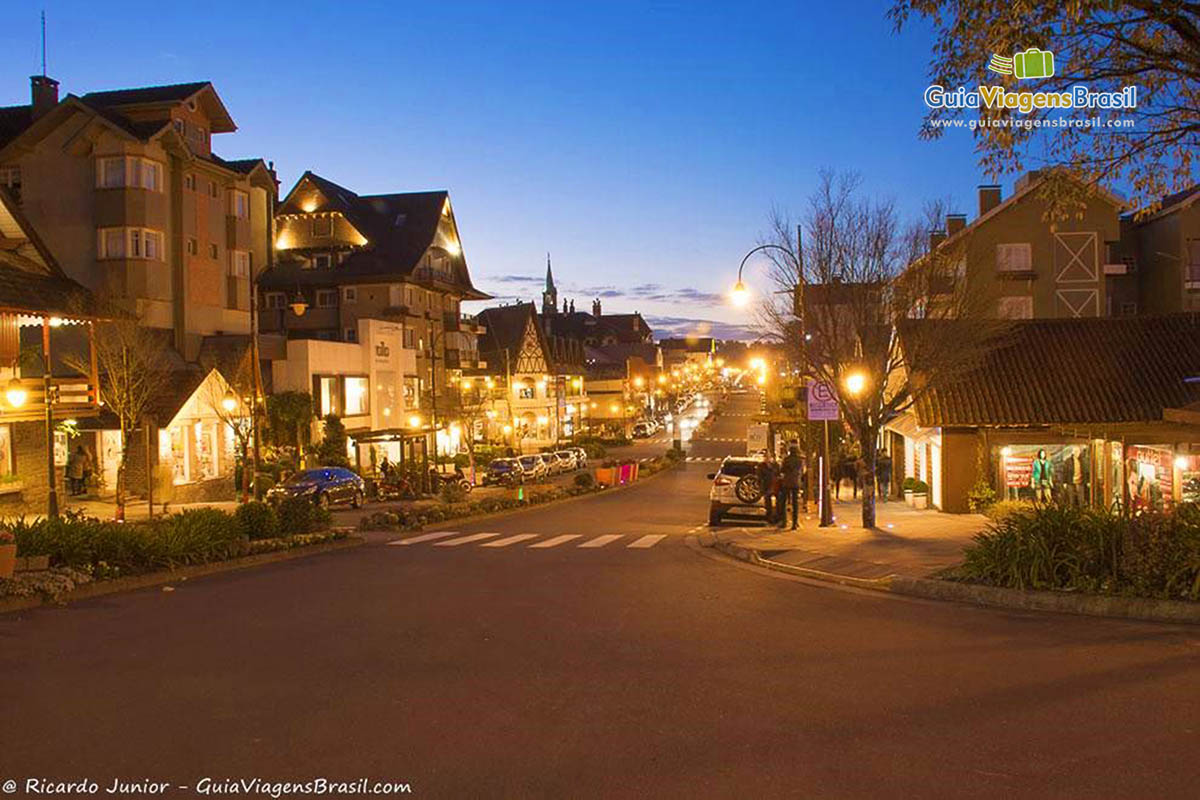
(935, 239)
(989, 198)
(596, 307)
(45, 94)
(955, 223)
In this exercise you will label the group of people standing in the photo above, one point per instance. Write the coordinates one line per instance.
(79, 470)
(781, 482)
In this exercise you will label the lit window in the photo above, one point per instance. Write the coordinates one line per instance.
(322, 261)
(239, 204)
(356, 395)
(239, 264)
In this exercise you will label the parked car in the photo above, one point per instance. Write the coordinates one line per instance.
(553, 467)
(641, 430)
(323, 485)
(533, 467)
(503, 470)
(567, 460)
(735, 487)
(581, 458)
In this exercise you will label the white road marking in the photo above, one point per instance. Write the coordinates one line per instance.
(428, 537)
(475, 537)
(600, 541)
(506, 541)
(557, 540)
(648, 541)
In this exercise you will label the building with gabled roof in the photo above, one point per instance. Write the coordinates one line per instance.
(1165, 253)
(126, 190)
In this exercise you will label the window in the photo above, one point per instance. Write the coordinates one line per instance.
(1014, 257)
(351, 335)
(408, 339)
(327, 395)
(179, 126)
(239, 204)
(10, 178)
(239, 264)
(1015, 308)
(276, 300)
(131, 243)
(326, 298)
(356, 394)
(212, 251)
(322, 226)
(129, 172)
(525, 390)
(408, 295)
(350, 294)
(1193, 260)
(192, 246)
(7, 460)
(212, 189)
(189, 182)
(322, 261)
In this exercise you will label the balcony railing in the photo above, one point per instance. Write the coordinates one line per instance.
(70, 396)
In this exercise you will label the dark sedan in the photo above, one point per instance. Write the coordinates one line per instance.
(324, 486)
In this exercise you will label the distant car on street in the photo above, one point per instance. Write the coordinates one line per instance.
(642, 430)
(735, 487)
(533, 467)
(503, 470)
(581, 458)
(568, 462)
(324, 486)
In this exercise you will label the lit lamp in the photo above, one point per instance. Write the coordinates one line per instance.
(299, 305)
(855, 383)
(16, 393)
(229, 402)
(740, 294)
(414, 421)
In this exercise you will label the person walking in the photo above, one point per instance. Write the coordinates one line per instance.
(74, 471)
(85, 469)
(768, 474)
(883, 475)
(790, 475)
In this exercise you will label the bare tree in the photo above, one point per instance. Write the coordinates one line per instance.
(1105, 46)
(850, 289)
(132, 364)
(233, 409)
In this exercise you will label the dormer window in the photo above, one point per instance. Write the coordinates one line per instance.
(322, 261)
(322, 226)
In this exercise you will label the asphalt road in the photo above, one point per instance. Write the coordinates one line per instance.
(608, 670)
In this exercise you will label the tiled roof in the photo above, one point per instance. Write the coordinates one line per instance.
(14, 120)
(1065, 371)
(625, 328)
(172, 93)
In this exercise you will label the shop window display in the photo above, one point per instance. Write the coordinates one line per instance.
(1046, 473)
(1189, 475)
(1149, 472)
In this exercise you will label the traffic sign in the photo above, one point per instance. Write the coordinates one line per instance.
(822, 401)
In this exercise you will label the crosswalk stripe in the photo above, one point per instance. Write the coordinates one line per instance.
(428, 537)
(600, 541)
(648, 541)
(557, 540)
(506, 541)
(475, 537)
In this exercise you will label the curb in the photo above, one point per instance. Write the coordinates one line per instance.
(510, 511)
(1089, 605)
(134, 582)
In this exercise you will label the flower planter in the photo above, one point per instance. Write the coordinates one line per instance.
(908, 496)
(920, 501)
(33, 563)
(606, 475)
(8, 560)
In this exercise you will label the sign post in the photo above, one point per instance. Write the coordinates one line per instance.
(823, 407)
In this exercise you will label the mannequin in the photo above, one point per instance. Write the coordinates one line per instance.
(1074, 479)
(1041, 480)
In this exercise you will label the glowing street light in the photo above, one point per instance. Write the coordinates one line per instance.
(16, 393)
(229, 402)
(414, 421)
(740, 295)
(855, 383)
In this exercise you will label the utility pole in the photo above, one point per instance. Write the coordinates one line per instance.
(48, 399)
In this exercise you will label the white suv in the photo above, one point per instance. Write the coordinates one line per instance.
(735, 486)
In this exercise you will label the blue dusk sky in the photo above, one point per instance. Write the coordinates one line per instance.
(643, 145)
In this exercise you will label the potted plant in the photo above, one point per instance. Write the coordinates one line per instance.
(920, 494)
(907, 486)
(8, 554)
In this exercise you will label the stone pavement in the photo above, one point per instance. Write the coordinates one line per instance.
(906, 542)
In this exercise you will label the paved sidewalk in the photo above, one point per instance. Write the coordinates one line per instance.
(907, 542)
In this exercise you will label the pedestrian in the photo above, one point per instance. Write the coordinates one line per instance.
(385, 467)
(75, 470)
(85, 479)
(860, 476)
(883, 475)
(791, 487)
(768, 473)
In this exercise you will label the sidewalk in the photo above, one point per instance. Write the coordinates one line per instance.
(907, 542)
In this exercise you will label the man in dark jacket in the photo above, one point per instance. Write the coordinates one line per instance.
(790, 473)
(768, 473)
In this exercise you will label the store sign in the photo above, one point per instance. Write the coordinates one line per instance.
(822, 402)
(1018, 472)
(756, 438)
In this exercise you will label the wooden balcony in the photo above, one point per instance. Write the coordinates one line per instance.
(71, 397)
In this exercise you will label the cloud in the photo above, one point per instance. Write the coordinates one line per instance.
(530, 279)
(654, 292)
(674, 327)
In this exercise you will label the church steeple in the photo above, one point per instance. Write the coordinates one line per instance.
(549, 294)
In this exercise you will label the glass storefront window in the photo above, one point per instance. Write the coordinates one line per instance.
(6, 451)
(1149, 472)
(357, 395)
(1045, 472)
(1189, 478)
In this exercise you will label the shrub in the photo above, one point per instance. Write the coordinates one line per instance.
(585, 480)
(920, 487)
(300, 515)
(908, 484)
(263, 483)
(453, 492)
(257, 521)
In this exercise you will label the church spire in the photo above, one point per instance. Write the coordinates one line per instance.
(549, 294)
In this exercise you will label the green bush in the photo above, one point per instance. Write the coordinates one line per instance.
(920, 487)
(585, 480)
(263, 483)
(1003, 508)
(453, 492)
(299, 515)
(257, 521)
(908, 484)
